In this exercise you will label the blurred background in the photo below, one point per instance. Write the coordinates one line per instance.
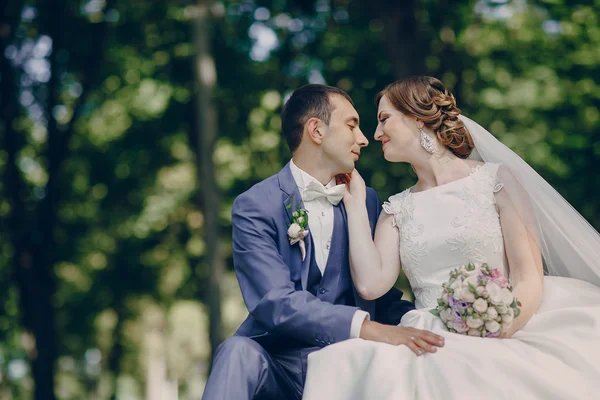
(127, 128)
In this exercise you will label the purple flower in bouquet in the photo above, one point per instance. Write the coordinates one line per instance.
(451, 300)
(456, 315)
(457, 305)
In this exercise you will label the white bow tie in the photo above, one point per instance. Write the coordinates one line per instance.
(314, 190)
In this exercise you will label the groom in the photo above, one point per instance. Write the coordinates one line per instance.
(300, 301)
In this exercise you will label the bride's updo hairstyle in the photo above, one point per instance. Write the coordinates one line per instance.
(427, 99)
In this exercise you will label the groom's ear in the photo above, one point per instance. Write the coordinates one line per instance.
(315, 130)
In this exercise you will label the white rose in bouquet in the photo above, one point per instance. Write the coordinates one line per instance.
(460, 327)
(445, 297)
(444, 315)
(474, 322)
(458, 292)
(507, 296)
(492, 326)
(508, 317)
(457, 283)
(447, 314)
(492, 313)
(480, 305)
(495, 293)
(472, 280)
(467, 295)
(502, 309)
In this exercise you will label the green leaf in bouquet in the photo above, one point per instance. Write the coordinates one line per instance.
(472, 289)
(471, 267)
(470, 311)
(435, 312)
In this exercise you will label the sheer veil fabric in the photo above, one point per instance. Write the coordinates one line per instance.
(569, 245)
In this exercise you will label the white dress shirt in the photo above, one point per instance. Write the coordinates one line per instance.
(320, 226)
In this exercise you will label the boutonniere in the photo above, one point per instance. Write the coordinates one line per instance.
(297, 230)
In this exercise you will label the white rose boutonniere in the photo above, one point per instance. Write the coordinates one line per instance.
(297, 230)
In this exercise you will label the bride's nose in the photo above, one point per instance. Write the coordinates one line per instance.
(378, 134)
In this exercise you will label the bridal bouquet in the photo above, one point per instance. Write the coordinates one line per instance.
(477, 301)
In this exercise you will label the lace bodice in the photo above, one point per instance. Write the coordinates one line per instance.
(445, 227)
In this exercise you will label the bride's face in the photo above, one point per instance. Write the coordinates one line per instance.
(398, 133)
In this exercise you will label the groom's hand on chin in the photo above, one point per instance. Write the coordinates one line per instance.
(417, 340)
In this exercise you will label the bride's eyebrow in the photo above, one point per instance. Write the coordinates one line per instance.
(379, 115)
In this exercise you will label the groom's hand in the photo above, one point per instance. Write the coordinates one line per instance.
(417, 340)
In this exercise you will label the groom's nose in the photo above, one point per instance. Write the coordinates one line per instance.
(361, 139)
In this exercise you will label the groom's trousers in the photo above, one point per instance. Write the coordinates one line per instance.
(244, 369)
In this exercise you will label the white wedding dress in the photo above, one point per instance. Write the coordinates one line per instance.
(555, 356)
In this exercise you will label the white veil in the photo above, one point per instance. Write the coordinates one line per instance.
(569, 245)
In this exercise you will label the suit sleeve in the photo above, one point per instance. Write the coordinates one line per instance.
(267, 288)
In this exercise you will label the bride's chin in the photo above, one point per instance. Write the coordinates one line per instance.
(392, 157)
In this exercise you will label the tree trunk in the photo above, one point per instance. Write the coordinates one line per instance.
(117, 350)
(405, 46)
(206, 134)
(32, 222)
(33, 277)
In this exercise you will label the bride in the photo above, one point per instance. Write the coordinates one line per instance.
(475, 201)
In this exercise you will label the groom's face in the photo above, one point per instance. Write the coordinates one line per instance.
(343, 139)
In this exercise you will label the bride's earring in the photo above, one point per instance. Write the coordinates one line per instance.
(426, 142)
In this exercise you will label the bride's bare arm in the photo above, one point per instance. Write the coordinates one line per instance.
(522, 250)
(374, 265)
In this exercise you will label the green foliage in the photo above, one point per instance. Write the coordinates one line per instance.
(132, 281)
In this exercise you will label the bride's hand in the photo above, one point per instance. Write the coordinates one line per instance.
(356, 189)
(507, 334)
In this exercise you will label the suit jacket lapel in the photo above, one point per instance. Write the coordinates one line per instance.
(292, 202)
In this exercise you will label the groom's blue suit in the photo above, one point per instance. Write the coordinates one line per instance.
(293, 309)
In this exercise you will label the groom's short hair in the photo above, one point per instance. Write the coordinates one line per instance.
(309, 101)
